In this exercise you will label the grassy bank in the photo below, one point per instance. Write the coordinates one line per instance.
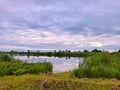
(100, 65)
(94, 73)
(62, 81)
(10, 66)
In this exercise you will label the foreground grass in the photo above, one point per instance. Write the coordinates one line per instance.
(11, 66)
(61, 81)
(100, 65)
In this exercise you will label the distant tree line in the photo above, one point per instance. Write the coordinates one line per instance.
(58, 53)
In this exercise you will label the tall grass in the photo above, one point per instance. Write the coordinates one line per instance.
(10, 66)
(6, 57)
(100, 65)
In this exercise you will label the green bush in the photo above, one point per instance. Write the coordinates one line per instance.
(5, 57)
(10, 66)
(100, 65)
(13, 68)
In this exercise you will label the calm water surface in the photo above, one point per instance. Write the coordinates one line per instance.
(59, 64)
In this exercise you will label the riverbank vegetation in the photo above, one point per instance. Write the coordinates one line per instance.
(10, 66)
(99, 65)
(100, 70)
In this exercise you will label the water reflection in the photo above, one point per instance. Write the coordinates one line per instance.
(59, 64)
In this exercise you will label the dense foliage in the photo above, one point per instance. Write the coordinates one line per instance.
(10, 66)
(100, 65)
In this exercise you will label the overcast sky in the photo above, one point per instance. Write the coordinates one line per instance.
(59, 24)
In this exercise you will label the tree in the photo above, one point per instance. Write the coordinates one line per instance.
(95, 50)
(119, 50)
(85, 51)
(28, 52)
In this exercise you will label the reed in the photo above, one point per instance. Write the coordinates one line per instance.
(100, 65)
(11, 66)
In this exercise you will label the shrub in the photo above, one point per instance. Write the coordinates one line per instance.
(5, 57)
(99, 65)
(10, 66)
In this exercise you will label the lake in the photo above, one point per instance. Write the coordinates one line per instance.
(59, 64)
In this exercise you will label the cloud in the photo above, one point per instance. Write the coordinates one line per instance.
(67, 24)
(37, 39)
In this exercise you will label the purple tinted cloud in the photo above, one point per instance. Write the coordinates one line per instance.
(27, 23)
